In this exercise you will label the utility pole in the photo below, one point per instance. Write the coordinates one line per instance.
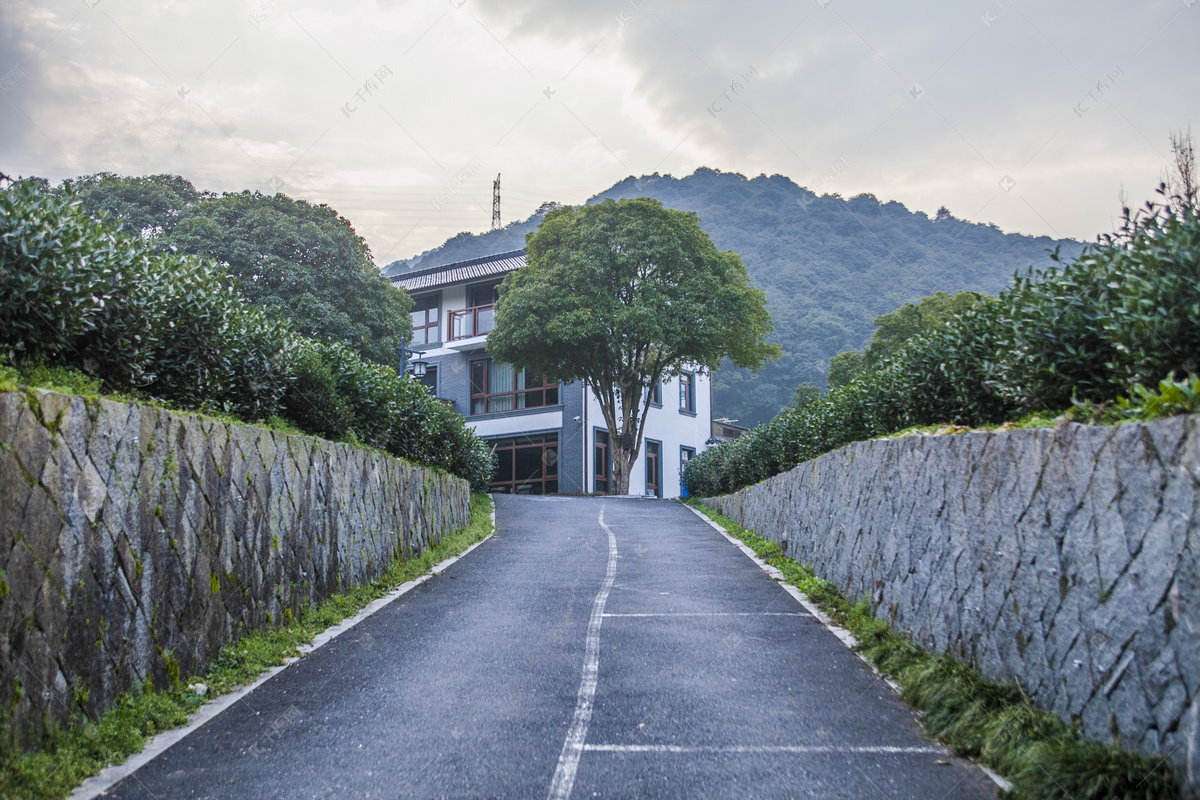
(496, 203)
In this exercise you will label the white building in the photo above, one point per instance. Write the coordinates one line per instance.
(548, 438)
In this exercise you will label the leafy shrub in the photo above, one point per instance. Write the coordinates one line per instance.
(82, 299)
(1172, 397)
(1053, 771)
(312, 400)
(1123, 314)
(64, 281)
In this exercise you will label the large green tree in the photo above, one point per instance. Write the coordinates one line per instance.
(149, 205)
(304, 260)
(621, 295)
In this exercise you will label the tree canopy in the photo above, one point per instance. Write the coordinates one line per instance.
(621, 295)
(304, 260)
(150, 205)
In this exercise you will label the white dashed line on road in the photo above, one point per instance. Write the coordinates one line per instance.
(743, 749)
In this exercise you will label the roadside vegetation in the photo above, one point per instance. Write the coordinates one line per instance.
(148, 324)
(995, 723)
(1112, 336)
(72, 754)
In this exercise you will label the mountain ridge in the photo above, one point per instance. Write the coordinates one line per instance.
(829, 265)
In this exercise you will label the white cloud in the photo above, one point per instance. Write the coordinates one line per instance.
(566, 99)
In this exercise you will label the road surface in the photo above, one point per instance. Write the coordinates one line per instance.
(595, 648)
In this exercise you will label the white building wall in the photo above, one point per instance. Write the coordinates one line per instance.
(494, 426)
(666, 425)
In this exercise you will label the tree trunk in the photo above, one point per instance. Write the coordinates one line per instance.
(622, 467)
(624, 416)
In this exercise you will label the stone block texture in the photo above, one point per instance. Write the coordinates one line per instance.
(135, 542)
(1067, 559)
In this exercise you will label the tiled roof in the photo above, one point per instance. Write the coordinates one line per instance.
(460, 271)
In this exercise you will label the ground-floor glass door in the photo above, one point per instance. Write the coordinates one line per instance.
(654, 469)
(526, 464)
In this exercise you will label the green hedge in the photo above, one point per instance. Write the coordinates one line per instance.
(1125, 313)
(175, 328)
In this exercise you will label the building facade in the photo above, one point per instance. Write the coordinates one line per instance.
(548, 438)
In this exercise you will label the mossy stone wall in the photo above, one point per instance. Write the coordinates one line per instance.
(135, 542)
(1067, 559)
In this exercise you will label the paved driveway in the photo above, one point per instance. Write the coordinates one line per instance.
(595, 648)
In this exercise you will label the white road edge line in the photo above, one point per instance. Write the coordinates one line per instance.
(108, 777)
(841, 633)
(568, 760)
(812, 748)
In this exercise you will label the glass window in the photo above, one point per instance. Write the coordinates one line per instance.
(656, 394)
(426, 315)
(687, 392)
(484, 294)
(479, 317)
(429, 379)
(498, 387)
(686, 454)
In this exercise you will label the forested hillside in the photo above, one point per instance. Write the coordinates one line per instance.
(828, 265)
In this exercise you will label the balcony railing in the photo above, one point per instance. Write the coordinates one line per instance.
(470, 322)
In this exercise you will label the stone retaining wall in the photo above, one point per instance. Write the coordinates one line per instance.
(135, 542)
(1067, 559)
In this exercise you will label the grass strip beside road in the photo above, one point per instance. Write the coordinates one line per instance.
(72, 754)
(994, 723)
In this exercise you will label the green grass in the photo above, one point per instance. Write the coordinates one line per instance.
(1043, 758)
(71, 754)
(56, 379)
(1036, 419)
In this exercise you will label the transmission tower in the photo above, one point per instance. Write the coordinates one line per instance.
(496, 203)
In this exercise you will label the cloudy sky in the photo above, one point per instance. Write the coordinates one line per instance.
(400, 113)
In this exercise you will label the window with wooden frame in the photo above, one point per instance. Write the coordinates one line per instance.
(426, 319)
(496, 388)
(479, 317)
(687, 393)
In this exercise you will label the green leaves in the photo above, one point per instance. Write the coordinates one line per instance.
(621, 295)
(175, 328)
(304, 261)
(627, 289)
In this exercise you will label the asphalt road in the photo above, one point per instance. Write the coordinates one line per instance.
(636, 654)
